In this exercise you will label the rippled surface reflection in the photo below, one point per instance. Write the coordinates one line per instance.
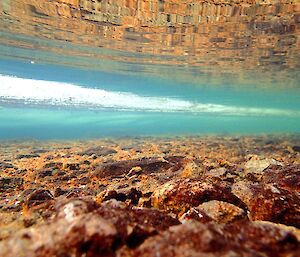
(212, 33)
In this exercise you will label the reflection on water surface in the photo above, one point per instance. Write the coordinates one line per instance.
(200, 33)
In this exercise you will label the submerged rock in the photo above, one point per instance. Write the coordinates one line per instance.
(296, 148)
(115, 205)
(6, 165)
(131, 195)
(269, 202)
(222, 212)
(27, 156)
(237, 239)
(179, 195)
(98, 151)
(10, 183)
(37, 197)
(87, 234)
(286, 177)
(147, 166)
(135, 224)
(255, 166)
(81, 228)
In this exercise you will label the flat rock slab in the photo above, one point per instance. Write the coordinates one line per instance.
(147, 165)
(98, 151)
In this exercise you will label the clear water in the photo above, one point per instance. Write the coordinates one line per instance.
(61, 84)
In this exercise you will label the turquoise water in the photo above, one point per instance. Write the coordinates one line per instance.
(146, 105)
(86, 69)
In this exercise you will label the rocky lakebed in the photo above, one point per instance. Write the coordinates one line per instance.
(177, 196)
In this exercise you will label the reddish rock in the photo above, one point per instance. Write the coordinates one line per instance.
(286, 177)
(268, 202)
(135, 224)
(88, 235)
(195, 214)
(81, 228)
(222, 212)
(236, 239)
(179, 195)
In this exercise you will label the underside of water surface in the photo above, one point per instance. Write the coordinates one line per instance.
(86, 69)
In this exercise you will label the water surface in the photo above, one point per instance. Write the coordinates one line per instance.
(84, 69)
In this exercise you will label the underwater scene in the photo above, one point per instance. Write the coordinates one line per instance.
(149, 128)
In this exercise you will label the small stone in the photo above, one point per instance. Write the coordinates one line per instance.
(38, 151)
(134, 171)
(69, 209)
(258, 166)
(86, 162)
(58, 192)
(5, 165)
(296, 148)
(195, 214)
(72, 166)
(222, 212)
(84, 180)
(44, 173)
(10, 183)
(37, 197)
(111, 194)
(218, 172)
(98, 151)
(56, 165)
(27, 156)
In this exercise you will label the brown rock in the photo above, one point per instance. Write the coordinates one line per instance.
(98, 151)
(69, 209)
(179, 195)
(286, 177)
(80, 228)
(195, 214)
(268, 202)
(222, 212)
(87, 234)
(236, 239)
(148, 165)
(10, 183)
(259, 165)
(53, 165)
(27, 156)
(130, 195)
(5, 165)
(135, 224)
(37, 197)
